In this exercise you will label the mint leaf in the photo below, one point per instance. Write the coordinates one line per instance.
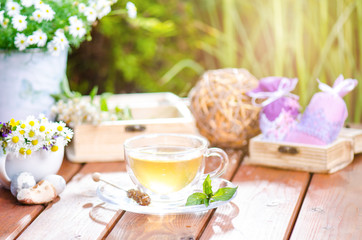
(223, 194)
(196, 199)
(207, 186)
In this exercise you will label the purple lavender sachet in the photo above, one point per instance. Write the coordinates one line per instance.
(325, 115)
(280, 108)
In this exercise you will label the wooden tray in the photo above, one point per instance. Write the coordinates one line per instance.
(152, 112)
(321, 159)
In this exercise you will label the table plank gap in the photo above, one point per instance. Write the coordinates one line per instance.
(83, 215)
(332, 208)
(173, 226)
(264, 208)
(298, 207)
(16, 217)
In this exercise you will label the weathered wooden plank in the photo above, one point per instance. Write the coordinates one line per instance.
(267, 203)
(332, 208)
(79, 213)
(14, 217)
(180, 226)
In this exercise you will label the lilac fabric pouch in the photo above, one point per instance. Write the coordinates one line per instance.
(280, 108)
(325, 115)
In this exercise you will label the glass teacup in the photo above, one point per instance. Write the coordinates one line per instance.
(169, 166)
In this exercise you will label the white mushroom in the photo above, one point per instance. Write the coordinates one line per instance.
(57, 181)
(21, 181)
(41, 193)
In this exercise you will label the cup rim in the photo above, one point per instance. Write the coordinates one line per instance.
(204, 142)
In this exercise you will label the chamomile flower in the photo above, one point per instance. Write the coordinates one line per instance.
(54, 48)
(27, 3)
(48, 13)
(19, 22)
(59, 127)
(21, 41)
(76, 28)
(73, 20)
(41, 38)
(12, 8)
(60, 39)
(32, 39)
(2, 16)
(81, 7)
(103, 7)
(5, 23)
(38, 15)
(14, 141)
(38, 4)
(131, 9)
(90, 13)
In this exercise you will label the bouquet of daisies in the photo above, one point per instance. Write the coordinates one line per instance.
(50, 24)
(25, 137)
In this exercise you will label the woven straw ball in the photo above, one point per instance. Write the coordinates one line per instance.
(222, 110)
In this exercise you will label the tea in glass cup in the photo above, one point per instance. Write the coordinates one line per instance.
(168, 166)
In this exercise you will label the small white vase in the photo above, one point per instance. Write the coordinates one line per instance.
(40, 164)
(27, 81)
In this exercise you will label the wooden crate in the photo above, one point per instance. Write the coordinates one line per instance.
(152, 112)
(321, 159)
(355, 135)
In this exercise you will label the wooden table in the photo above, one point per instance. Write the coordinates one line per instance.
(271, 204)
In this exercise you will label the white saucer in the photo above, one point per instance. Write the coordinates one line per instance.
(112, 195)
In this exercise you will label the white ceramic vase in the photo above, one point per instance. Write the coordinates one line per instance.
(27, 81)
(40, 164)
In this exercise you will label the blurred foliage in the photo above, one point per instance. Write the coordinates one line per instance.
(155, 52)
(167, 48)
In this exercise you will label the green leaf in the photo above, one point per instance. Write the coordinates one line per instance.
(207, 202)
(103, 101)
(196, 199)
(93, 93)
(207, 186)
(224, 194)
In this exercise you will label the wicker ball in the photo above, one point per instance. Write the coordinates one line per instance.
(222, 110)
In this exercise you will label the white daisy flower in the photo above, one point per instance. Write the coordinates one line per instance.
(131, 9)
(38, 15)
(19, 22)
(21, 41)
(54, 48)
(68, 134)
(38, 3)
(32, 39)
(60, 39)
(91, 14)
(48, 13)
(27, 3)
(59, 127)
(13, 8)
(103, 7)
(5, 23)
(41, 38)
(73, 20)
(2, 17)
(14, 141)
(32, 123)
(81, 7)
(77, 29)
(44, 125)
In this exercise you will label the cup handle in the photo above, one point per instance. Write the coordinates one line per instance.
(4, 179)
(224, 161)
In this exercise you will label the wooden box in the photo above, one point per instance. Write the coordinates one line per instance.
(320, 159)
(152, 113)
(355, 135)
